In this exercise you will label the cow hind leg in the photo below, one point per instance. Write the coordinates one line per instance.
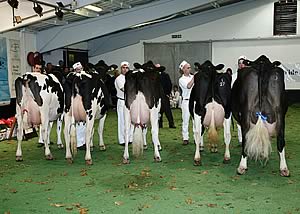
(88, 137)
(127, 129)
(197, 136)
(100, 133)
(284, 171)
(145, 138)
(154, 130)
(227, 139)
(242, 169)
(68, 123)
(19, 156)
(46, 127)
(60, 145)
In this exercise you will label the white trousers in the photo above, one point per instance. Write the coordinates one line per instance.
(80, 133)
(121, 123)
(185, 119)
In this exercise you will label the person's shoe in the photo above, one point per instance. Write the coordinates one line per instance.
(83, 147)
(40, 145)
(185, 142)
(172, 126)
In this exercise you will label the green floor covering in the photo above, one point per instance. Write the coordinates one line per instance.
(172, 186)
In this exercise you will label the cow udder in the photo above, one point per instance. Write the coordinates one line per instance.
(139, 110)
(219, 114)
(33, 111)
(78, 109)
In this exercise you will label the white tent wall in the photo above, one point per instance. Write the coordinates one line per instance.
(248, 33)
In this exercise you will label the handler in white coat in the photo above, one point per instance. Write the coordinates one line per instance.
(186, 82)
(119, 84)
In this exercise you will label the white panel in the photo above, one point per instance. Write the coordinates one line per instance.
(254, 23)
(283, 50)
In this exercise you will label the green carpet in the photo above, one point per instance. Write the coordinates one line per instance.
(172, 186)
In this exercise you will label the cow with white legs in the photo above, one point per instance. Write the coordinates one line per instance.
(143, 94)
(259, 106)
(209, 106)
(59, 121)
(40, 100)
(86, 100)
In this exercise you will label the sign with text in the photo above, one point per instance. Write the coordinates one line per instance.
(4, 87)
(15, 64)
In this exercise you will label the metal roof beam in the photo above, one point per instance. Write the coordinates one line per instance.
(122, 39)
(92, 28)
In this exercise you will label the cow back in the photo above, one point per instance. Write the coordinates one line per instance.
(147, 82)
(259, 88)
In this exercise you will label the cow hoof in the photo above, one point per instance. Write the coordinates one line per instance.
(145, 147)
(19, 158)
(197, 163)
(157, 159)
(126, 161)
(285, 173)
(60, 146)
(241, 170)
(201, 148)
(88, 162)
(69, 160)
(226, 160)
(102, 148)
(49, 157)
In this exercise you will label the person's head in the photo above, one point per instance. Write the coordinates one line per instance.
(241, 63)
(49, 66)
(77, 67)
(61, 63)
(124, 67)
(175, 88)
(185, 67)
(229, 71)
(37, 68)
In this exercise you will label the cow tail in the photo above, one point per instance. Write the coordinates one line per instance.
(73, 139)
(212, 133)
(258, 144)
(137, 145)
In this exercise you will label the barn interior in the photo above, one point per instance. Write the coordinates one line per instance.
(166, 32)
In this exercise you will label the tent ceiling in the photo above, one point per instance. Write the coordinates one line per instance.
(75, 14)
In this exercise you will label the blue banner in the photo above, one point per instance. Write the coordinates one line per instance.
(4, 87)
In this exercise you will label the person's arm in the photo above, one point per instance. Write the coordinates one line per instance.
(191, 83)
(119, 84)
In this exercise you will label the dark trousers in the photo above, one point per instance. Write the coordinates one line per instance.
(165, 108)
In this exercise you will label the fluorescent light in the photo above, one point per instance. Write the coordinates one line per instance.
(93, 8)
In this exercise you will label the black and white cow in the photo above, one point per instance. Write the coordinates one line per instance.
(259, 106)
(86, 100)
(40, 100)
(143, 94)
(209, 105)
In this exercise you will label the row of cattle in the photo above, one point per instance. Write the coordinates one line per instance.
(257, 102)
